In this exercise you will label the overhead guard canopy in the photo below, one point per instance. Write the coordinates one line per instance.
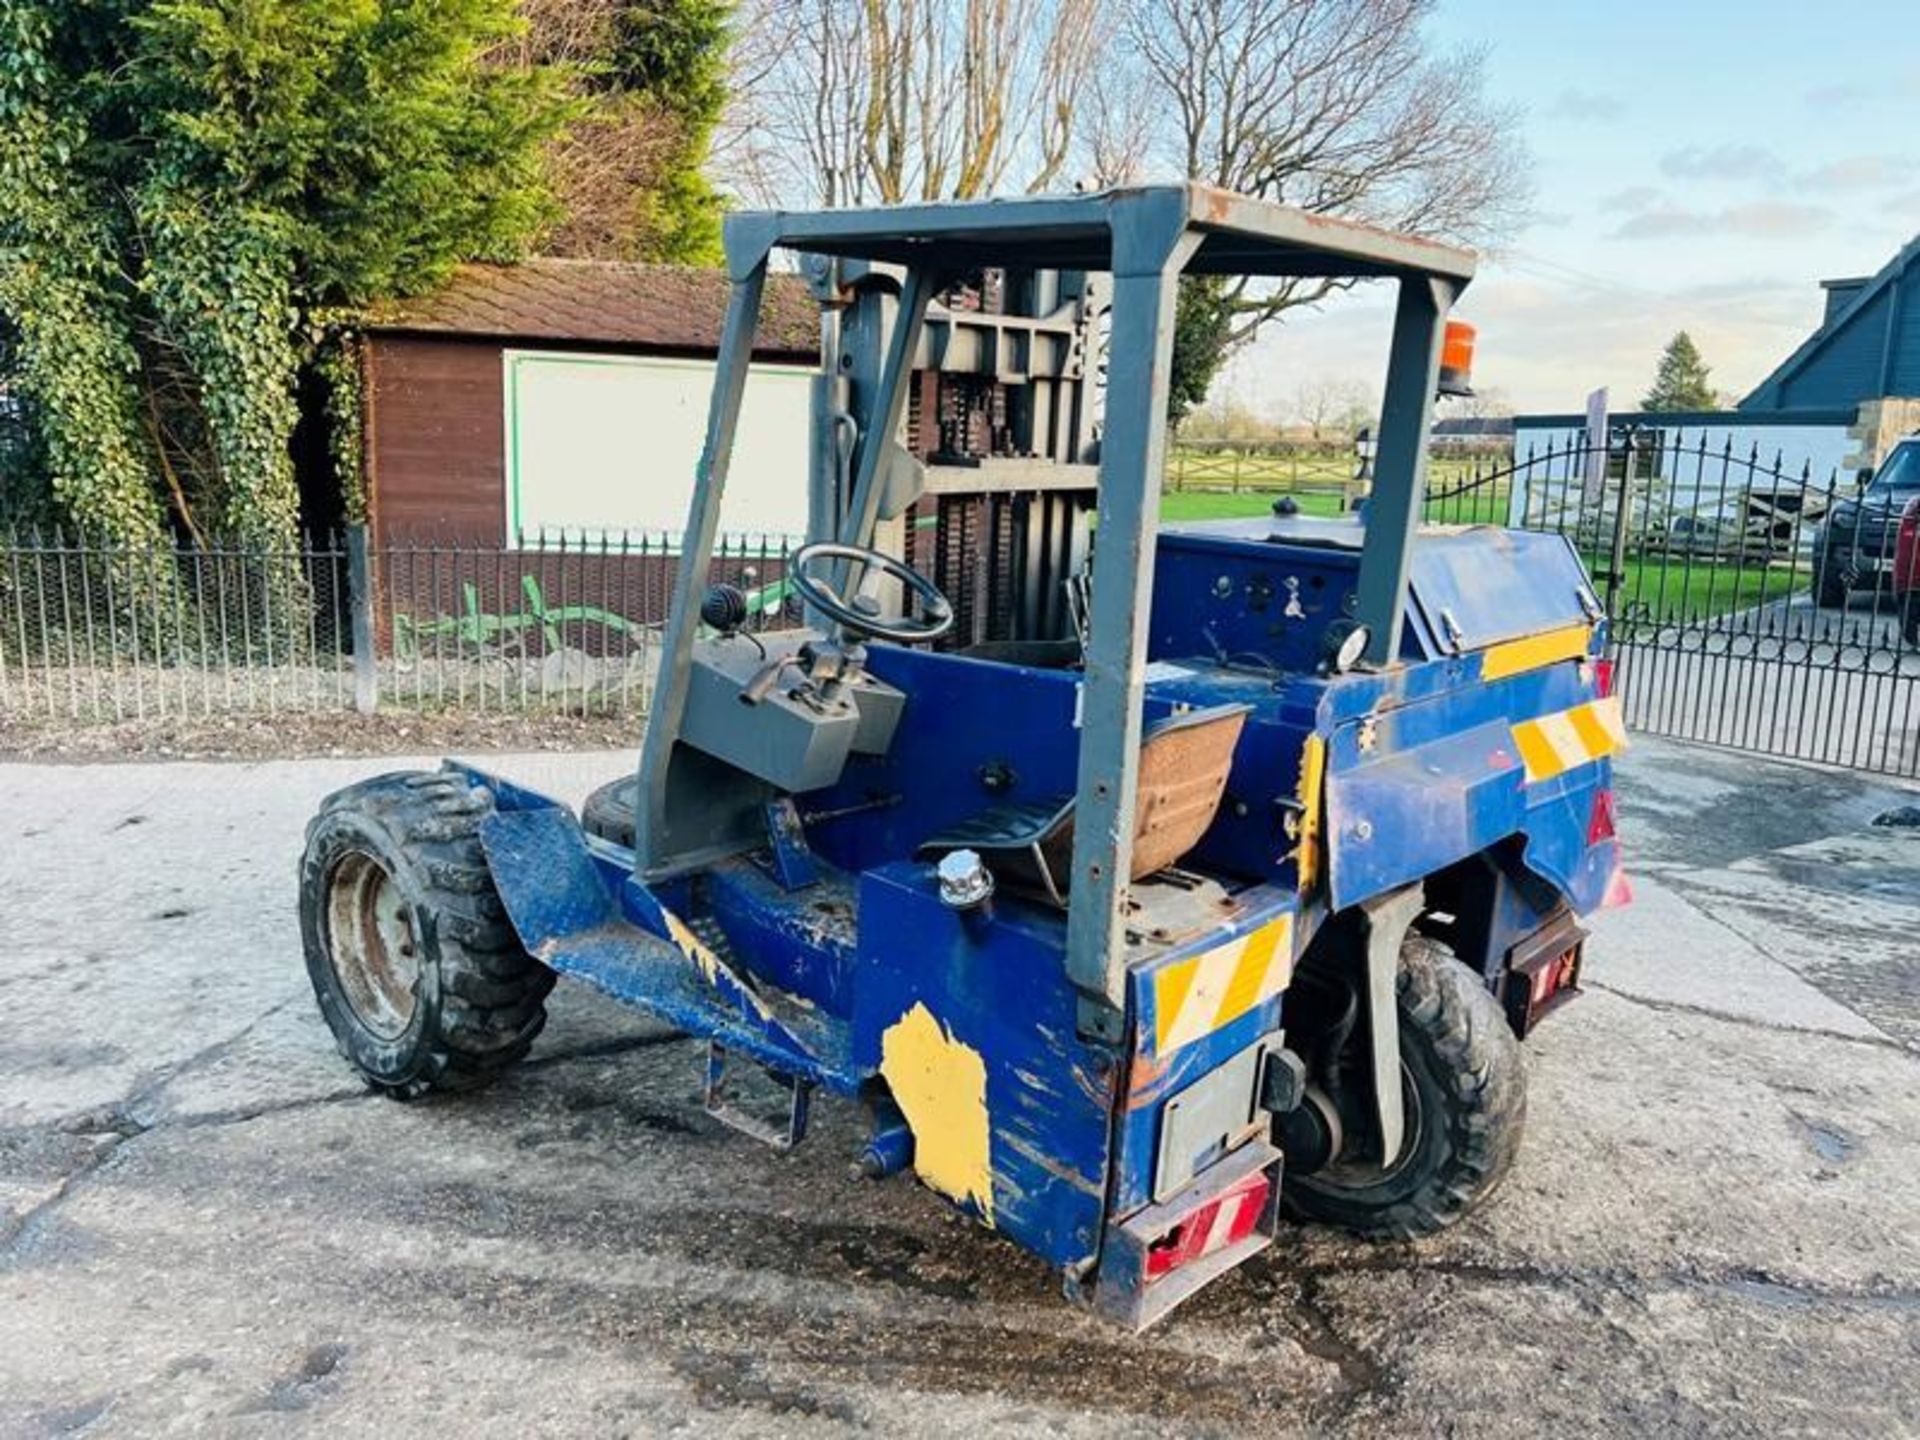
(1239, 236)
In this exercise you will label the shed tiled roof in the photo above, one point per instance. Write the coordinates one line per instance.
(603, 302)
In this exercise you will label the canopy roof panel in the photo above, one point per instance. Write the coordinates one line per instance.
(1239, 236)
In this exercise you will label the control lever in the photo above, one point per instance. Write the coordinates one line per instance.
(825, 671)
(764, 679)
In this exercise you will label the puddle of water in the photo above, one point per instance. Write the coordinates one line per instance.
(1830, 1142)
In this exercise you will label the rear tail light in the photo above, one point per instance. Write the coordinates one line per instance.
(1211, 1228)
(1602, 678)
(1600, 818)
(1543, 973)
(1906, 550)
(1553, 977)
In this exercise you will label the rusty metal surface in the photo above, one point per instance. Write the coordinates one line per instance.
(1183, 773)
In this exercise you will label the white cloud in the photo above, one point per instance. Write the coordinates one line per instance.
(1577, 104)
(1545, 342)
(1858, 172)
(1634, 197)
(1762, 219)
(1721, 162)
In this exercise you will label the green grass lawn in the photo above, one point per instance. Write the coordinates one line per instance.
(1472, 508)
(1669, 589)
(1178, 505)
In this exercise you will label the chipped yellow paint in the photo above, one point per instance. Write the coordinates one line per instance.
(708, 963)
(1313, 771)
(1194, 997)
(1515, 657)
(940, 1085)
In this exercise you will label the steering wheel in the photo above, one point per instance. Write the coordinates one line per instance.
(860, 614)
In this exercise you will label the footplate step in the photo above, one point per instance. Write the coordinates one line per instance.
(723, 1106)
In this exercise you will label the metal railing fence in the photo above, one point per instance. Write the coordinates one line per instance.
(1751, 606)
(1752, 601)
(92, 631)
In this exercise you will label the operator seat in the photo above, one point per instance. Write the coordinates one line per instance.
(1184, 762)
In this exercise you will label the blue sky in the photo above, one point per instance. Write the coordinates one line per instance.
(1697, 166)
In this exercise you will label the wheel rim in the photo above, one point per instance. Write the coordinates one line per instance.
(371, 945)
(1362, 1174)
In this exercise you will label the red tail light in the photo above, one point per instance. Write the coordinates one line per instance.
(1211, 1228)
(1600, 819)
(1603, 678)
(1906, 551)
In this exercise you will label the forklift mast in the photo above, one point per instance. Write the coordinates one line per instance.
(999, 436)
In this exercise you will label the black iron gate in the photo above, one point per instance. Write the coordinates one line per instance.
(1753, 605)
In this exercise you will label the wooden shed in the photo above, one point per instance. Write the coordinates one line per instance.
(531, 433)
(561, 396)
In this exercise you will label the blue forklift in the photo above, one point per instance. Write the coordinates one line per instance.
(1220, 888)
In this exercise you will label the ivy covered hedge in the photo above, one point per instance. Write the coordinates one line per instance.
(189, 188)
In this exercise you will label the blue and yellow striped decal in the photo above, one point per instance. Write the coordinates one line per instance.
(1194, 997)
(1551, 745)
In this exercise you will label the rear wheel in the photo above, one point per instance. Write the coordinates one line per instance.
(608, 812)
(1465, 1101)
(415, 966)
(1910, 617)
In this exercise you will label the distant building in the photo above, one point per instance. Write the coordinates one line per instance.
(1472, 434)
(1838, 402)
(1816, 442)
(1867, 346)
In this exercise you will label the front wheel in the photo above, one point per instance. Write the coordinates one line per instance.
(1832, 589)
(415, 966)
(1465, 1103)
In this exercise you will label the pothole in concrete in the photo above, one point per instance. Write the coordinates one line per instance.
(1831, 1143)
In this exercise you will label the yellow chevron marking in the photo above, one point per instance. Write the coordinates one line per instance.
(1564, 739)
(1256, 961)
(1170, 988)
(1551, 745)
(1194, 997)
(1514, 657)
(1607, 712)
(940, 1084)
(1593, 736)
(1536, 753)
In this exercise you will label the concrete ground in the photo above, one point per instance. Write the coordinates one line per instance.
(207, 1227)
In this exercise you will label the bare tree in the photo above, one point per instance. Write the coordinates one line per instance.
(558, 32)
(1331, 407)
(1334, 106)
(1117, 125)
(634, 139)
(879, 101)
